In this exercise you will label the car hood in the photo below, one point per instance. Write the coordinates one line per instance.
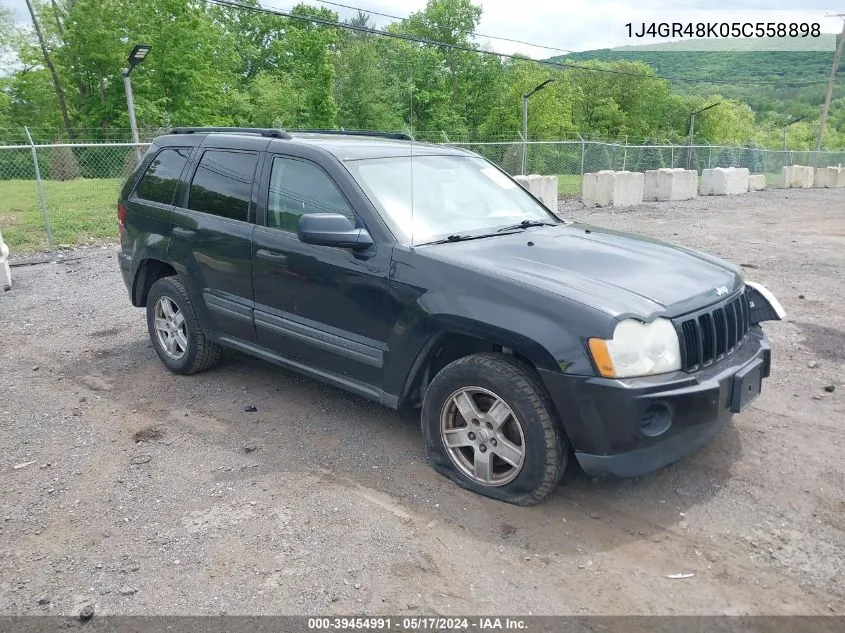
(618, 273)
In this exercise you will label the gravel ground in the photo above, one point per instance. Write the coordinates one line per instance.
(141, 492)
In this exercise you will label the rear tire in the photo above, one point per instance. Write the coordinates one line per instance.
(489, 425)
(174, 330)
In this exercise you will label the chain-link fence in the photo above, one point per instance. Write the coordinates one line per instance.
(63, 194)
(569, 160)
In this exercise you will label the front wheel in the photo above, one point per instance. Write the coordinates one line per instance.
(489, 425)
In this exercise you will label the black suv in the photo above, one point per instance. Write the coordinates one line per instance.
(423, 275)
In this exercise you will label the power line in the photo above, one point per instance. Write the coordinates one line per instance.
(476, 33)
(466, 49)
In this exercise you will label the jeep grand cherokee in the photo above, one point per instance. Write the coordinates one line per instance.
(423, 275)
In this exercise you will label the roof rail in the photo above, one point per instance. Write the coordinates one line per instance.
(262, 131)
(398, 136)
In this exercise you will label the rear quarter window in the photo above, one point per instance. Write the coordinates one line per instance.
(158, 184)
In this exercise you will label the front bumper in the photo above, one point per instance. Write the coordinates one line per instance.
(610, 423)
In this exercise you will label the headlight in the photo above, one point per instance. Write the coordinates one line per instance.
(638, 349)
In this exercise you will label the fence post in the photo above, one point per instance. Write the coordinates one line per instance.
(524, 151)
(709, 155)
(44, 213)
(673, 156)
(625, 155)
(583, 151)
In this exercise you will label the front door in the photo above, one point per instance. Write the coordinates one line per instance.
(211, 238)
(324, 306)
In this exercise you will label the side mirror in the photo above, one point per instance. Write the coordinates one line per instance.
(332, 229)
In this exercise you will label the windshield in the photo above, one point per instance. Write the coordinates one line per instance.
(450, 195)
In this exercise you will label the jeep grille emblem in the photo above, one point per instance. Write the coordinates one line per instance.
(721, 291)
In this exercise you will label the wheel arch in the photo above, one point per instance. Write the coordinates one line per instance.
(455, 338)
(148, 272)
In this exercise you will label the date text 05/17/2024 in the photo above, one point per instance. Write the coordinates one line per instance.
(417, 624)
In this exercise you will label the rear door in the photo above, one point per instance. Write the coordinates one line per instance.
(149, 207)
(211, 237)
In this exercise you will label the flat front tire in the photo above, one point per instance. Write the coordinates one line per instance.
(489, 426)
(174, 330)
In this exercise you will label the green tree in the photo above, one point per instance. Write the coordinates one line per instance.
(274, 102)
(363, 94)
(730, 123)
(550, 110)
(651, 157)
(310, 48)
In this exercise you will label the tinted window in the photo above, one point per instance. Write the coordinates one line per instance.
(159, 181)
(222, 184)
(297, 187)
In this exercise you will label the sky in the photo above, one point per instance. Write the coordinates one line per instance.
(578, 25)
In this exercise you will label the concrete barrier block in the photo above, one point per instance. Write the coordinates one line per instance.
(756, 182)
(829, 177)
(724, 181)
(796, 176)
(596, 189)
(542, 187)
(5, 271)
(670, 184)
(612, 188)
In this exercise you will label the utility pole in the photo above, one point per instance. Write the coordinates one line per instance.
(831, 81)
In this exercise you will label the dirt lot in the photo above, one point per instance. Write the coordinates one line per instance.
(152, 493)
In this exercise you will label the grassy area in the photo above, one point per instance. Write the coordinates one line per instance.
(80, 211)
(568, 184)
(773, 180)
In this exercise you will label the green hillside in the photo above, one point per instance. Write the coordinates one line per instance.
(775, 84)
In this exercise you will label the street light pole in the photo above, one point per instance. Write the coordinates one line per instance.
(138, 54)
(692, 129)
(130, 106)
(525, 119)
(787, 125)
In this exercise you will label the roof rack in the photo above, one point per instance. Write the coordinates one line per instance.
(398, 136)
(262, 131)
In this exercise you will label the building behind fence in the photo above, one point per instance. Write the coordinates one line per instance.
(46, 166)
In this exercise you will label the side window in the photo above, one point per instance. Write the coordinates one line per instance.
(222, 184)
(298, 187)
(159, 181)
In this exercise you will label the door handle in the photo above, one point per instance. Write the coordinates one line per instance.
(178, 230)
(270, 256)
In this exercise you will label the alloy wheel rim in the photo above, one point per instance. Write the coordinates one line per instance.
(170, 328)
(482, 436)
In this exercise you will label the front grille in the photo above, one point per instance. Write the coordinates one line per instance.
(712, 334)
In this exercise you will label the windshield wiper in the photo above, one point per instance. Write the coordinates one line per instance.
(516, 227)
(452, 238)
(463, 238)
(527, 223)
